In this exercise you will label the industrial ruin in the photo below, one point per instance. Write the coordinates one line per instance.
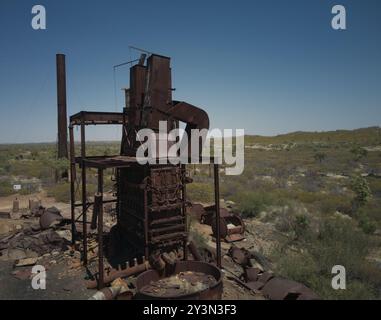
(150, 200)
(134, 242)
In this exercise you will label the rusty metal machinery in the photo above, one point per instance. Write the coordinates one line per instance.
(150, 199)
(231, 226)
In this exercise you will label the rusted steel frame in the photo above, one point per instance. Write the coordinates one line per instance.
(184, 195)
(81, 214)
(100, 231)
(217, 206)
(72, 181)
(93, 118)
(84, 204)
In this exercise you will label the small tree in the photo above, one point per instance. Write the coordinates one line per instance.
(360, 187)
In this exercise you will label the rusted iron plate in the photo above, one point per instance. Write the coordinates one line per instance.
(251, 274)
(255, 285)
(265, 277)
(283, 289)
(240, 256)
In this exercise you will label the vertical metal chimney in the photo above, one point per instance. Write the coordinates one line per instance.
(61, 106)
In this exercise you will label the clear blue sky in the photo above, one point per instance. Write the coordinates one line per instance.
(266, 66)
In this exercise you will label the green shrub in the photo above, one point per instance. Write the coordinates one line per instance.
(367, 225)
(339, 243)
(252, 203)
(6, 188)
(301, 225)
(360, 187)
(298, 267)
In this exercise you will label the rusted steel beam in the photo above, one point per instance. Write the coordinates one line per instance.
(94, 117)
(84, 198)
(100, 229)
(72, 183)
(217, 206)
(61, 106)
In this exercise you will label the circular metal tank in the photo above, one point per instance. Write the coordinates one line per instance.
(212, 293)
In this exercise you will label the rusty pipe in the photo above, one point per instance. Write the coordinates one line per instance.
(195, 118)
(115, 274)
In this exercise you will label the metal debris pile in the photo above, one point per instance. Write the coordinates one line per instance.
(44, 233)
(187, 282)
(258, 278)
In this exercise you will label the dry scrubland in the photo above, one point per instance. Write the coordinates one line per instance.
(320, 191)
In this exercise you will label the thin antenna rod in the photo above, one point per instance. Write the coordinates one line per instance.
(124, 63)
(142, 50)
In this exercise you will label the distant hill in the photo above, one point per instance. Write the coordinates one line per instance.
(363, 136)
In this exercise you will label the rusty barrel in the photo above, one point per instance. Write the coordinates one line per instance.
(214, 292)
